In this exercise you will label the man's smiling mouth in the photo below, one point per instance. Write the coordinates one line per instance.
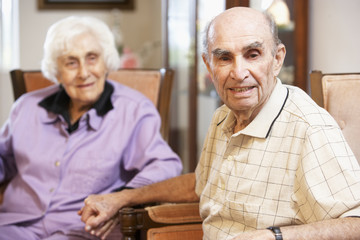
(243, 89)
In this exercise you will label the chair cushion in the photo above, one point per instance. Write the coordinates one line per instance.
(341, 100)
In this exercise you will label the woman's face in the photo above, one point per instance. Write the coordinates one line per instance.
(82, 70)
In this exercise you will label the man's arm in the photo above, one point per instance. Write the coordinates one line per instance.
(100, 209)
(334, 229)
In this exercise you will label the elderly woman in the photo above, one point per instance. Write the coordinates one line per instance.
(85, 135)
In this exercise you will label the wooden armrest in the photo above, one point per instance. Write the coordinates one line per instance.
(175, 213)
(133, 219)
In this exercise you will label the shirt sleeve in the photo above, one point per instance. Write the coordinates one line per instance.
(147, 153)
(328, 177)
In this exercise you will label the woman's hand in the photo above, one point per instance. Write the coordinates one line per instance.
(100, 213)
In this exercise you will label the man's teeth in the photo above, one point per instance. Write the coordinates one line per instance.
(241, 89)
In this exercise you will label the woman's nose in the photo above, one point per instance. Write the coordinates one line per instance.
(84, 72)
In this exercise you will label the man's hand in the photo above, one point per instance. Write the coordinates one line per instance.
(100, 213)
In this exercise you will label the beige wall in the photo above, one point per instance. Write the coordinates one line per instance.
(334, 35)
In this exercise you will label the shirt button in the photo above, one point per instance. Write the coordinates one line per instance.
(51, 190)
(231, 158)
(57, 163)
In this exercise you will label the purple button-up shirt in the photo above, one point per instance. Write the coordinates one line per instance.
(53, 172)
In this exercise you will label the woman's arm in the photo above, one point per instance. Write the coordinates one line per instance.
(100, 209)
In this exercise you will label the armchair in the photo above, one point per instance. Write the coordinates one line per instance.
(339, 95)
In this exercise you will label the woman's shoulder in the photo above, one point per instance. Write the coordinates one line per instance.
(39, 94)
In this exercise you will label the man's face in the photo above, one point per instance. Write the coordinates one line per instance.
(82, 70)
(241, 60)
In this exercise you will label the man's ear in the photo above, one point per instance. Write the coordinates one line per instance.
(279, 58)
(207, 64)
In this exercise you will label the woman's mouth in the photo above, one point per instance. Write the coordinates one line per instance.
(85, 85)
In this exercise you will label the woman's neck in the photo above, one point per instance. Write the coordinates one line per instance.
(76, 111)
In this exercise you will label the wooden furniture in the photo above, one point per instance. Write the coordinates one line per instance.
(162, 222)
(339, 95)
(156, 84)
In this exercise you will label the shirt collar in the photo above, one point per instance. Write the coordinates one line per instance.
(58, 102)
(261, 125)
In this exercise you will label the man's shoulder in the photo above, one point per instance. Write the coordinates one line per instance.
(301, 106)
(221, 113)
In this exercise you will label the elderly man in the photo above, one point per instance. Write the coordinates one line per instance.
(274, 164)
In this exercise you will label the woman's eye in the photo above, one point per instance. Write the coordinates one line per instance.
(92, 58)
(71, 63)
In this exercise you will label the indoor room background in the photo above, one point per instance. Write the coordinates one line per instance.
(333, 46)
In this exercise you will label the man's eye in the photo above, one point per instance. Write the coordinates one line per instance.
(253, 54)
(224, 58)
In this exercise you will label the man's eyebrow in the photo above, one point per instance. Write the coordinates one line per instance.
(220, 52)
(254, 45)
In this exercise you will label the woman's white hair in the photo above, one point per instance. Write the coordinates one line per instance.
(61, 34)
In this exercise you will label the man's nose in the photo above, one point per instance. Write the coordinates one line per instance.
(240, 69)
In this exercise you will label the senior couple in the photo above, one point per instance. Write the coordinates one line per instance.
(274, 165)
